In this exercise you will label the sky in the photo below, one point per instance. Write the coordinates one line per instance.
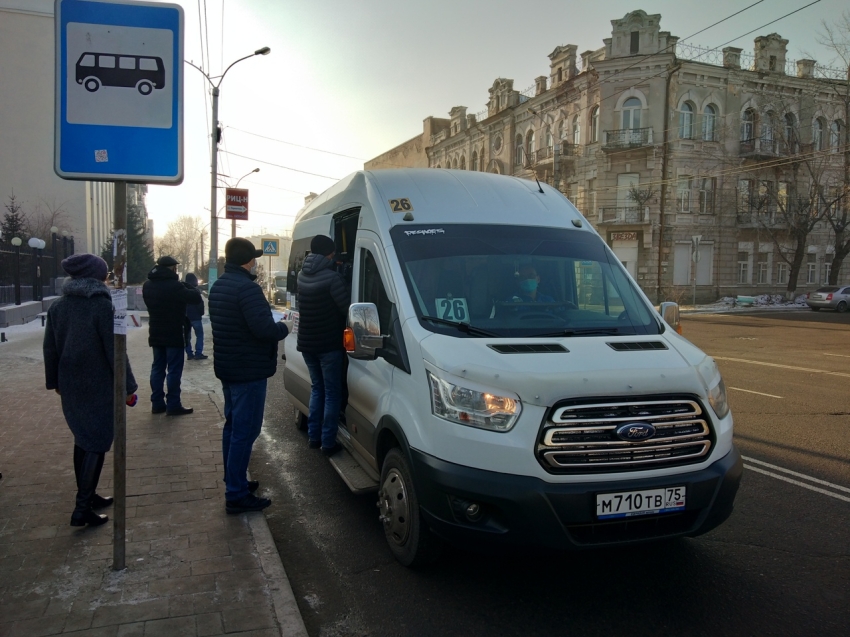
(346, 81)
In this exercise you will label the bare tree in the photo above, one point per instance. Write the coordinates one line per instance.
(47, 215)
(182, 240)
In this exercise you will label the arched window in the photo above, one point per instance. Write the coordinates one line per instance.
(454, 163)
(530, 144)
(520, 151)
(576, 130)
(462, 165)
(550, 141)
(834, 136)
(709, 123)
(562, 129)
(594, 124)
(686, 121)
(748, 124)
(817, 134)
(767, 132)
(631, 113)
(474, 165)
(790, 133)
(437, 166)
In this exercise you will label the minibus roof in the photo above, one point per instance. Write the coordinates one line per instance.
(448, 196)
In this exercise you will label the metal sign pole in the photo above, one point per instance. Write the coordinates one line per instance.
(119, 296)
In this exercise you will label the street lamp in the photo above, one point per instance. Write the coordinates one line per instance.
(37, 246)
(233, 221)
(213, 274)
(16, 241)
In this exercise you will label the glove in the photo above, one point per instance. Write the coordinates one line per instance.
(132, 399)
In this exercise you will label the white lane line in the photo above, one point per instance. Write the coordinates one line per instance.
(794, 473)
(797, 369)
(841, 355)
(797, 482)
(750, 391)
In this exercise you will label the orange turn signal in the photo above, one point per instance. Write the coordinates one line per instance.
(679, 328)
(348, 339)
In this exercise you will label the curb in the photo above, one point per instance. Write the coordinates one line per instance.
(289, 620)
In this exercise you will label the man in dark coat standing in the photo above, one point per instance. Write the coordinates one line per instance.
(245, 338)
(166, 299)
(323, 300)
(194, 321)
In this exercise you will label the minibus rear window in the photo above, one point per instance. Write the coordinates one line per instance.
(516, 281)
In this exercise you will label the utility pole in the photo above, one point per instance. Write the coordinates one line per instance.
(119, 396)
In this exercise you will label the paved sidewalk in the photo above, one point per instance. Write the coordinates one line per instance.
(192, 569)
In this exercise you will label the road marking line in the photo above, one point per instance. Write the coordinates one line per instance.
(797, 482)
(799, 475)
(841, 355)
(796, 369)
(750, 391)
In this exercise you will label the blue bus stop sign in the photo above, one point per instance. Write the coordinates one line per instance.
(119, 91)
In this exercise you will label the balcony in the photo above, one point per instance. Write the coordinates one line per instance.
(547, 155)
(759, 148)
(623, 215)
(759, 219)
(626, 138)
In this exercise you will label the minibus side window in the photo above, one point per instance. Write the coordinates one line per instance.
(299, 251)
(106, 61)
(147, 64)
(127, 63)
(87, 60)
(372, 289)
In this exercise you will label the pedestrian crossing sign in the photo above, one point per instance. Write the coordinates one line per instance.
(271, 247)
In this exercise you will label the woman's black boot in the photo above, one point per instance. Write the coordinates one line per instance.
(87, 479)
(97, 501)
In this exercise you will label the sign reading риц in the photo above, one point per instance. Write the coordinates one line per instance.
(236, 204)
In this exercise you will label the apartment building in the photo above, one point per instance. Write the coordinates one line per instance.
(657, 142)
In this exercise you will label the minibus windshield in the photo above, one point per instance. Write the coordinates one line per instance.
(518, 281)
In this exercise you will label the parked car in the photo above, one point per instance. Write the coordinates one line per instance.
(832, 297)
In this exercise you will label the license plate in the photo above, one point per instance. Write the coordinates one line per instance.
(634, 503)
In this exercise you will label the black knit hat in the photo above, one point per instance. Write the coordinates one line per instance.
(167, 261)
(240, 251)
(322, 245)
(85, 266)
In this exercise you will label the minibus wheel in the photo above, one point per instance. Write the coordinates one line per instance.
(300, 420)
(410, 540)
(144, 87)
(91, 84)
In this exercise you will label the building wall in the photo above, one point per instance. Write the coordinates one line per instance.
(594, 168)
(26, 127)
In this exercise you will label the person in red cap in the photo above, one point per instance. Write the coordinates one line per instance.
(245, 338)
(78, 359)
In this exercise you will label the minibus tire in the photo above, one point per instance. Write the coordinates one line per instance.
(300, 420)
(94, 83)
(144, 87)
(411, 541)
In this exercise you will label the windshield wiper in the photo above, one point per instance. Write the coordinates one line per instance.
(585, 331)
(466, 328)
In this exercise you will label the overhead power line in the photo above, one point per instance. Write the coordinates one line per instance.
(281, 141)
(268, 163)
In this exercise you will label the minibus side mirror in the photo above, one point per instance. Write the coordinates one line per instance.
(670, 313)
(363, 336)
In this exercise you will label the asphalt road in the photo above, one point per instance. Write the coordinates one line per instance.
(779, 566)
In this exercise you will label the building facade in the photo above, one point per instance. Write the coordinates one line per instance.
(82, 209)
(658, 142)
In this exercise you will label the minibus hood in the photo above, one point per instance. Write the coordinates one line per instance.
(588, 367)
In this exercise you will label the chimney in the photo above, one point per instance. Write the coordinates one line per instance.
(562, 64)
(732, 58)
(770, 53)
(539, 84)
(806, 68)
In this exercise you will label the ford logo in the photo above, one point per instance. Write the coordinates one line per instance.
(635, 431)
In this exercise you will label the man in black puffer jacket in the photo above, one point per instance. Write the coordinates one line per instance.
(245, 338)
(166, 299)
(323, 300)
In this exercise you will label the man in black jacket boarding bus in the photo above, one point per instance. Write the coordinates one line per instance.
(245, 338)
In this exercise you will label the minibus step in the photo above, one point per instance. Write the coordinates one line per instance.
(352, 473)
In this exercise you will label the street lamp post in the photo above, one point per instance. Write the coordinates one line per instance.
(16, 241)
(213, 273)
(37, 246)
(233, 221)
(53, 240)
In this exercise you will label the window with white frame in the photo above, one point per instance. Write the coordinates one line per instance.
(835, 136)
(519, 151)
(811, 268)
(683, 193)
(827, 268)
(562, 129)
(686, 121)
(576, 130)
(709, 123)
(706, 195)
(591, 196)
(748, 123)
(550, 141)
(594, 124)
(762, 267)
(817, 134)
(782, 273)
(745, 199)
(474, 165)
(530, 145)
(790, 133)
(631, 113)
(743, 267)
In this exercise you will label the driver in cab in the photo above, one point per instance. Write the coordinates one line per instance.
(527, 282)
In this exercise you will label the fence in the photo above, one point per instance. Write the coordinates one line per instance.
(36, 271)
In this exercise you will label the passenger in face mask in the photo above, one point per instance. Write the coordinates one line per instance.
(528, 281)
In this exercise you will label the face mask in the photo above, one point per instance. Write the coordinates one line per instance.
(254, 269)
(528, 285)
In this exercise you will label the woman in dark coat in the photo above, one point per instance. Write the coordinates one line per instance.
(78, 364)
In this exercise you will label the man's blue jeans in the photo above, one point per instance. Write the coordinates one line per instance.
(326, 377)
(244, 404)
(167, 368)
(198, 326)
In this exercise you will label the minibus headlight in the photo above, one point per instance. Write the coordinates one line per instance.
(473, 408)
(714, 385)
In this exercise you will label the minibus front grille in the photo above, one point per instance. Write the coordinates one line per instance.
(582, 436)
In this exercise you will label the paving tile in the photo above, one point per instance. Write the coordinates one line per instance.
(182, 585)
(78, 620)
(38, 627)
(247, 618)
(125, 613)
(171, 627)
(205, 551)
(209, 624)
(136, 629)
